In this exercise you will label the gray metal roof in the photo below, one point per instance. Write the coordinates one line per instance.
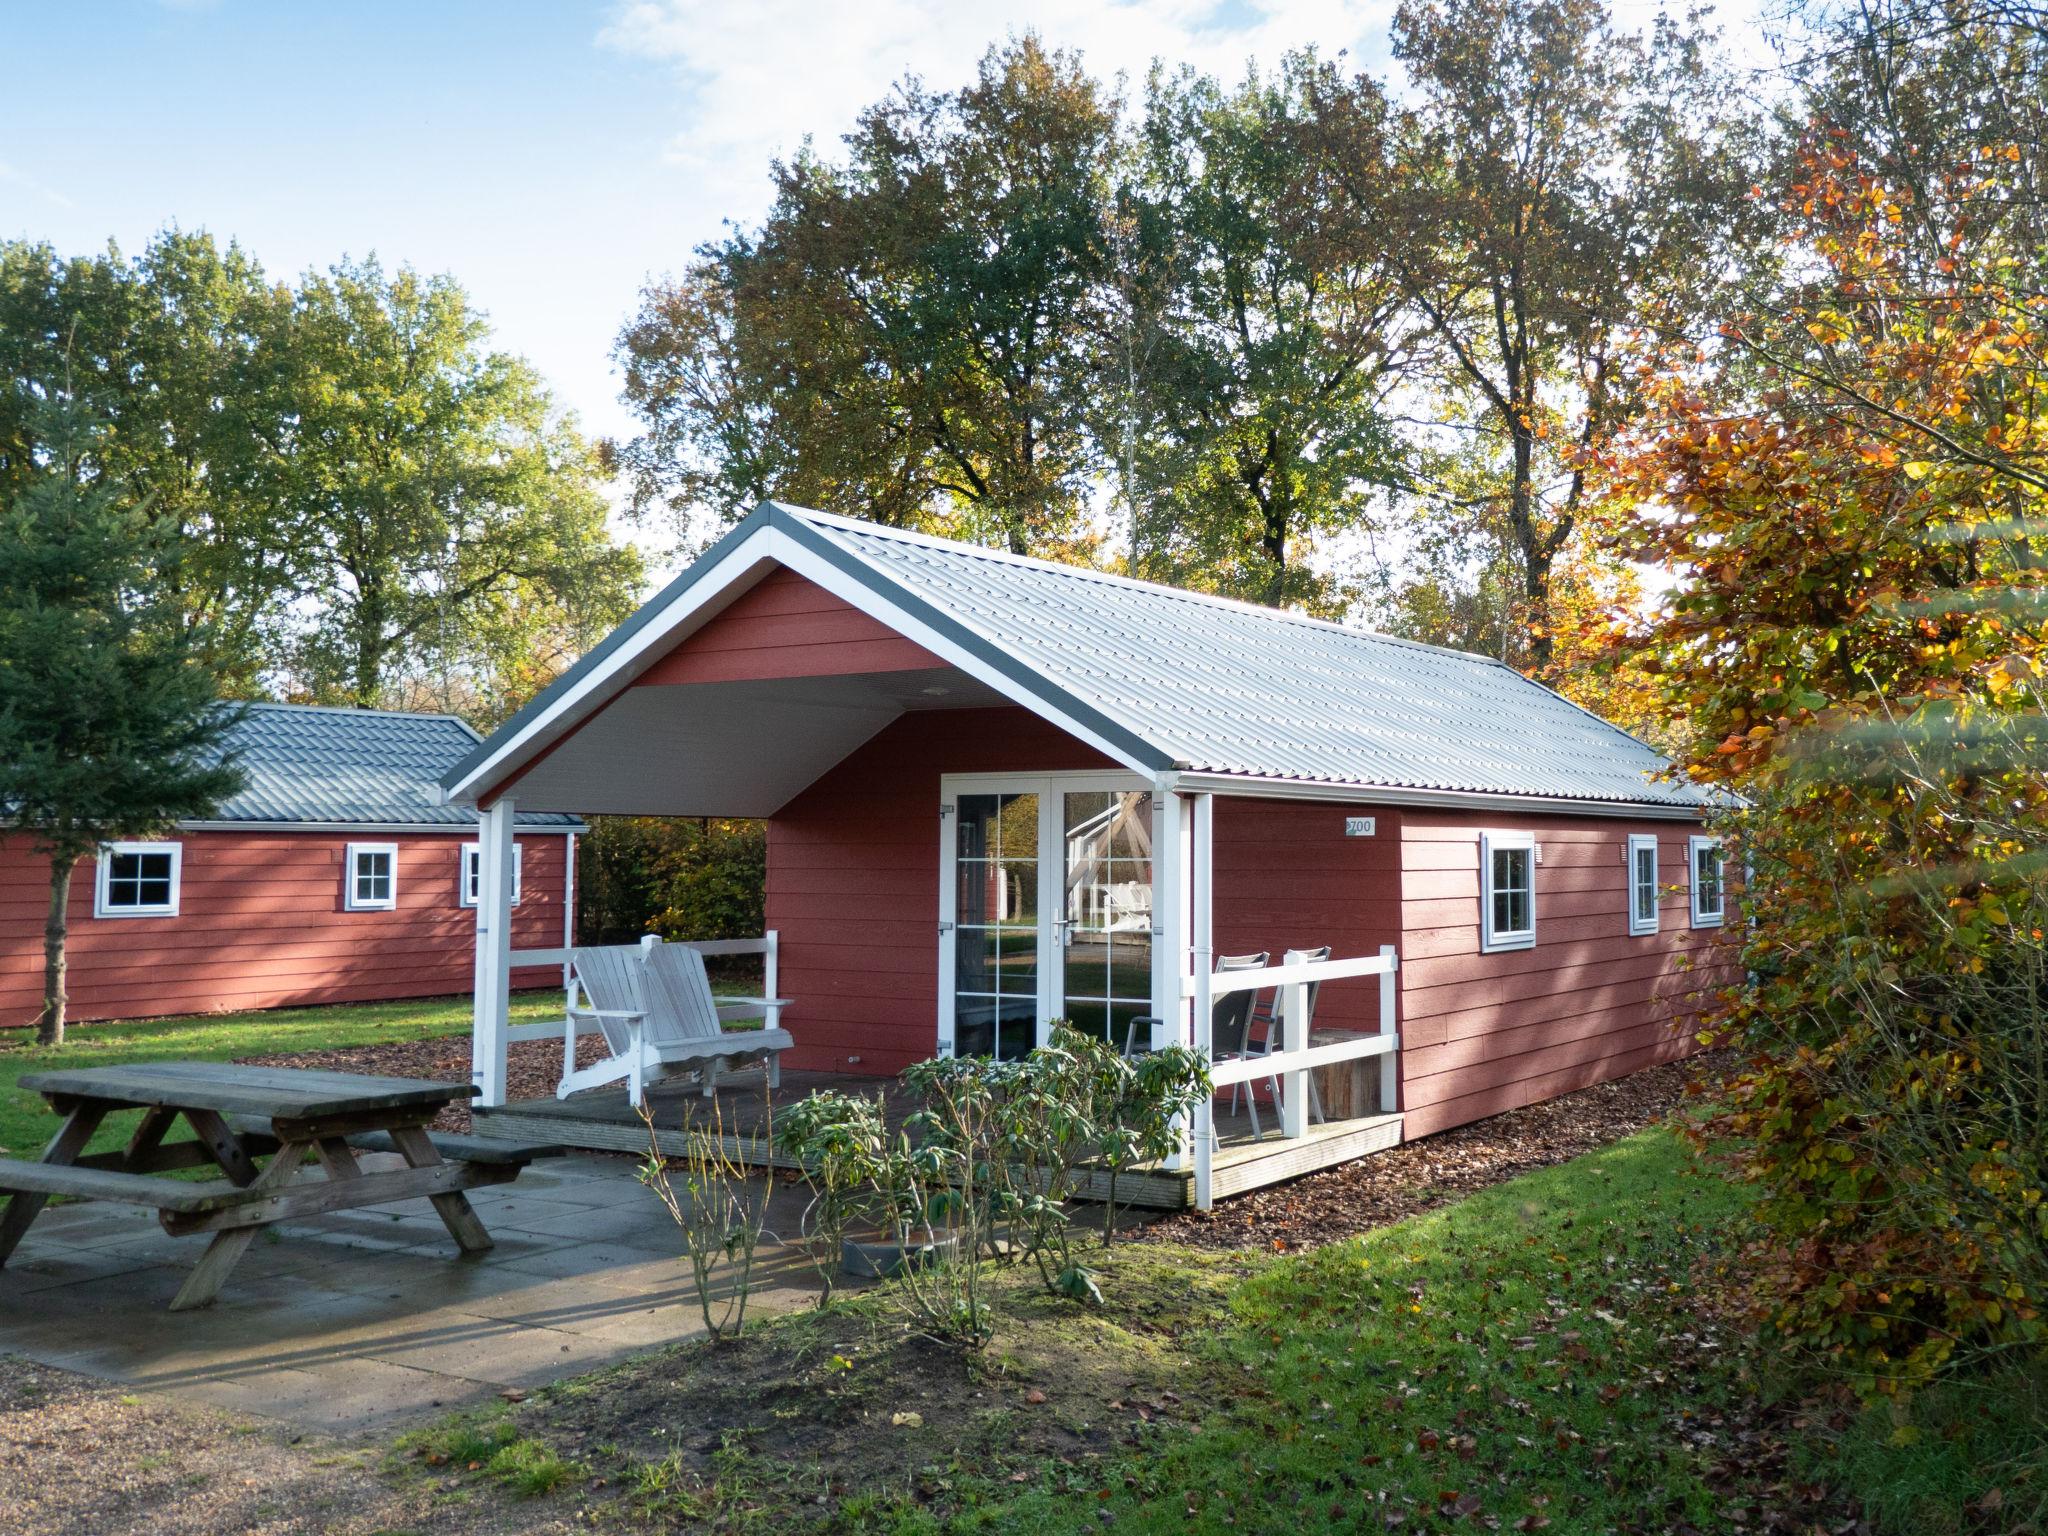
(351, 767)
(1228, 687)
(1176, 680)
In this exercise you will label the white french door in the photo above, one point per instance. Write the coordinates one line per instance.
(1045, 909)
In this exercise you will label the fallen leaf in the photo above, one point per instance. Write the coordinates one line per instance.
(907, 1420)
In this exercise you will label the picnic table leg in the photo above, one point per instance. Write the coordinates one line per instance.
(227, 1148)
(202, 1286)
(149, 1135)
(64, 1147)
(457, 1214)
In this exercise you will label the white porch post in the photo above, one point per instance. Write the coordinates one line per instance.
(1202, 964)
(1169, 935)
(493, 986)
(1294, 1037)
(1170, 906)
(1390, 1065)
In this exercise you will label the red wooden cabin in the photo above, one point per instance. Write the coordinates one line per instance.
(1001, 792)
(335, 875)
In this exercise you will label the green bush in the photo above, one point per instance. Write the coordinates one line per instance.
(682, 879)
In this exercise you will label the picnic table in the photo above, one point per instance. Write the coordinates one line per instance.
(261, 1127)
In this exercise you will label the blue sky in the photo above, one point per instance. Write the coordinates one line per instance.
(551, 156)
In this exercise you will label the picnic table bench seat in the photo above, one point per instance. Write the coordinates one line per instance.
(285, 1141)
(23, 1176)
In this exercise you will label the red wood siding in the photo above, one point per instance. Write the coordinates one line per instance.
(1286, 877)
(1483, 1033)
(853, 881)
(788, 626)
(261, 924)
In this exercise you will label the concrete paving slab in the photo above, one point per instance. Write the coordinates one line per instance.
(356, 1321)
(39, 1268)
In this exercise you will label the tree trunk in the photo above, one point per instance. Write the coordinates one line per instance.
(50, 1025)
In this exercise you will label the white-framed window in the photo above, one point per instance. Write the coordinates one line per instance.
(472, 871)
(1709, 895)
(137, 879)
(1507, 890)
(370, 877)
(1643, 895)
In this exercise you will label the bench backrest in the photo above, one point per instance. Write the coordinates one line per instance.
(679, 995)
(613, 978)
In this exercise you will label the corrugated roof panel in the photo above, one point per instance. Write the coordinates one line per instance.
(369, 767)
(1226, 687)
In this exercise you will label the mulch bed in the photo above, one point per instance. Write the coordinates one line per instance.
(1319, 1208)
(1422, 1175)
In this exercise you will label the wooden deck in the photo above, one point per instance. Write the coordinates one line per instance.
(603, 1121)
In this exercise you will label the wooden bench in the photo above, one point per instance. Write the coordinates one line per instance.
(262, 1127)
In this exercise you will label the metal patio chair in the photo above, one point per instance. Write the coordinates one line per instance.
(1267, 1014)
(1230, 1027)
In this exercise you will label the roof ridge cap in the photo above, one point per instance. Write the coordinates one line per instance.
(353, 710)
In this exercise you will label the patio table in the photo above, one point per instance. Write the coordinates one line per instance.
(260, 1127)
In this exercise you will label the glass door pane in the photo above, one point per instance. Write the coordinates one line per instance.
(996, 925)
(1106, 925)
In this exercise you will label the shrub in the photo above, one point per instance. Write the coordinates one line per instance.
(1896, 1110)
(721, 1212)
(839, 1141)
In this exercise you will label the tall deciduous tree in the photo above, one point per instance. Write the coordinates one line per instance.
(1560, 193)
(1853, 497)
(367, 502)
(1265, 385)
(906, 335)
(434, 492)
(109, 723)
(176, 353)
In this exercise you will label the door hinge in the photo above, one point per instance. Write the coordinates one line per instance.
(945, 928)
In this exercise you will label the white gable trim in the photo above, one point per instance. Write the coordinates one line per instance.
(701, 600)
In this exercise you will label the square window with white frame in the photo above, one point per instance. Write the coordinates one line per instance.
(1709, 892)
(1644, 897)
(1507, 897)
(138, 879)
(370, 881)
(472, 871)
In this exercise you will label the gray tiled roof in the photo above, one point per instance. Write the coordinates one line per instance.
(1227, 687)
(356, 767)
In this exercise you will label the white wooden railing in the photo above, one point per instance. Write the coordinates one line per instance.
(768, 946)
(1295, 1058)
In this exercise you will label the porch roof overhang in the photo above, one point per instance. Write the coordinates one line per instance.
(744, 749)
(1182, 690)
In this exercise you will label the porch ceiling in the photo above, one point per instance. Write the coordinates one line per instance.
(728, 749)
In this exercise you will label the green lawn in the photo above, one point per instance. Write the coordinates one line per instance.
(1532, 1355)
(1545, 1355)
(26, 1123)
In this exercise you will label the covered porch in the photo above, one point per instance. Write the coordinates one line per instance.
(958, 856)
(1302, 1098)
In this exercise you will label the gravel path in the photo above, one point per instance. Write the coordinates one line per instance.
(81, 1458)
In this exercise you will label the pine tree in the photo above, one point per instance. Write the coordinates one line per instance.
(110, 724)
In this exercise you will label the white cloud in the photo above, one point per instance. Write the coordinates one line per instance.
(12, 176)
(758, 78)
